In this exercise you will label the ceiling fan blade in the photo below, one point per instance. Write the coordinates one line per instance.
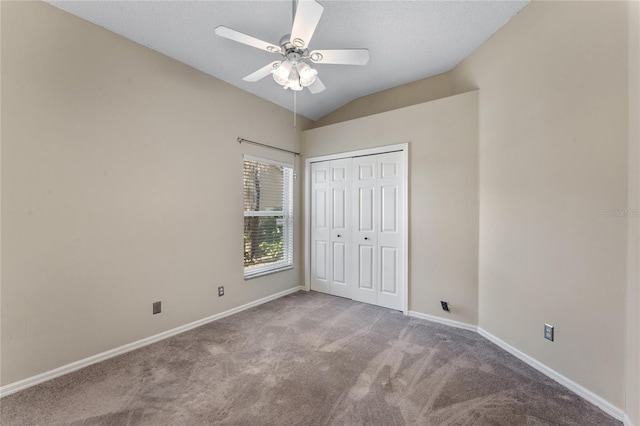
(261, 73)
(234, 35)
(340, 56)
(316, 86)
(308, 13)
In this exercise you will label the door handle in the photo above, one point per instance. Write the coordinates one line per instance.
(366, 238)
(339, 236)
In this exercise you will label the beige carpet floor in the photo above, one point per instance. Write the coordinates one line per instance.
(307, 359)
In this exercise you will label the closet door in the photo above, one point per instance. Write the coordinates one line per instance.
(340, 233)
(320, 227)
(331, 227)
(391, 230)
(358, 229)
(364, 216)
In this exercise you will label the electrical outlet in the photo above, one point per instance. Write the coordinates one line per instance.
(221, 291)
(548, 332)
(445, 306)
(157, 307)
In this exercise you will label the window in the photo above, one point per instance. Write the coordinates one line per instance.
(268, 216)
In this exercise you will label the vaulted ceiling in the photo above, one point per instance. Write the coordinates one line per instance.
(407, 40)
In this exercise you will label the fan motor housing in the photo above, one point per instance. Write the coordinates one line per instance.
(293, 55)
(290, 50)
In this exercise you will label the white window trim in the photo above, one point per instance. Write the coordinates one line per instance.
(259, 271)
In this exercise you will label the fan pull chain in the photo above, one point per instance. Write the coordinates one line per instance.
(295, 107)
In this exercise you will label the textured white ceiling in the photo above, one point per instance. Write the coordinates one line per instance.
(407, 40)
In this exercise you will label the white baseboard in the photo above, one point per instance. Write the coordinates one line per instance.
(65, 369)
(442, 320)
(596, 400)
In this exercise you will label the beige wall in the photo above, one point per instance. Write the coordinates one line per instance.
(417, 92)
(121, 186)
(443, 194)
(633, 257)
(553, 160)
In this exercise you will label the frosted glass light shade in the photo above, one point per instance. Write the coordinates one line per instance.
(307, 74)
(294, 76)
(281, 74)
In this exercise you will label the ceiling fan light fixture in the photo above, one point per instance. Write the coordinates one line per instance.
(281, 74)
(294, 76)
(307, 74)
(291, 71)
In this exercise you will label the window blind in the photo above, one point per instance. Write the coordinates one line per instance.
(268, 216)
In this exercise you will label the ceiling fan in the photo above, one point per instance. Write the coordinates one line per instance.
(293, 72)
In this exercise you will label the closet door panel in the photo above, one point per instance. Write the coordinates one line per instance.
(388, 270)
(391, 230)
(389, 208)
(340, 233)
(366, 273)
(321, 257)
(339, 209)
(366, 198)
(339, 265)
(320, 229)
(365, 214)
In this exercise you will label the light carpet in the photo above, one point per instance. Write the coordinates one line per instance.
(308, 359)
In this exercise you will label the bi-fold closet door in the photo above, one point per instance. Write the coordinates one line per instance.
(358, 229)
(331, 227)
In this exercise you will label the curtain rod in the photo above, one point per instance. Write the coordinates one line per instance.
(241, 140)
